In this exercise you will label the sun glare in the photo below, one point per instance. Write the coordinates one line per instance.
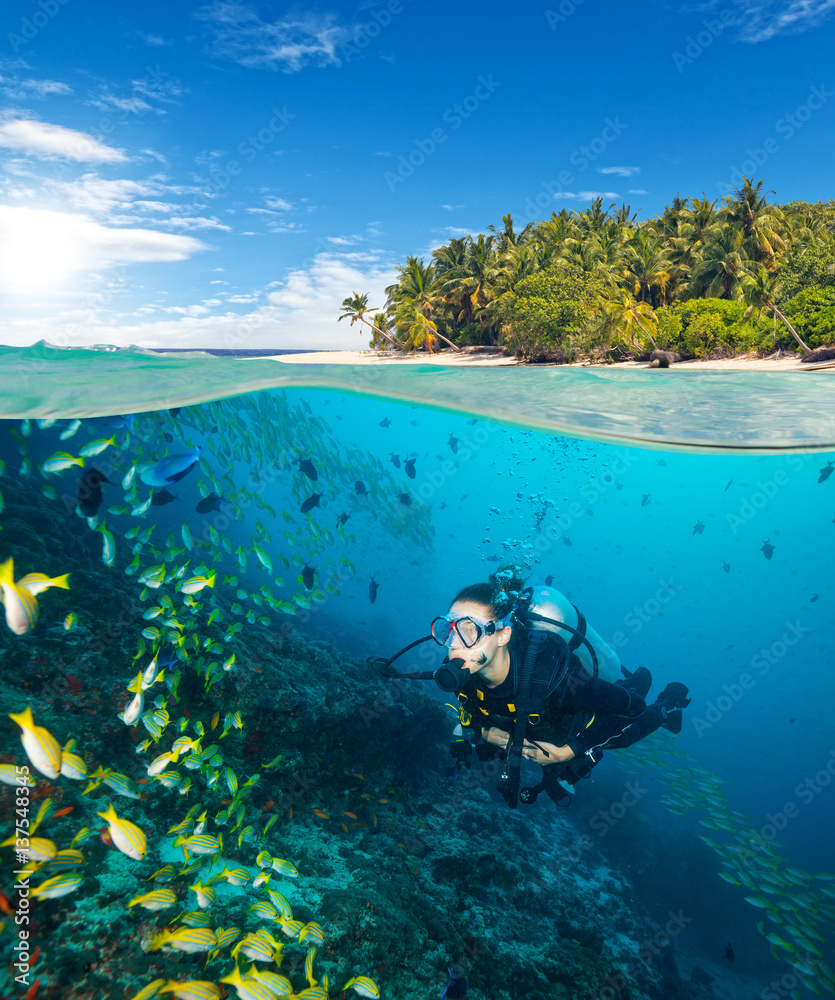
(39, 251)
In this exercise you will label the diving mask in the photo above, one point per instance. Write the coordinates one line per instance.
(469, 631)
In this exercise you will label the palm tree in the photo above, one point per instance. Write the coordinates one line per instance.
(625, 315)
(758, 222)
(415, 294)
(355, 309)
(647, 269)
(760, 292)
(718, 273)
(421, 331)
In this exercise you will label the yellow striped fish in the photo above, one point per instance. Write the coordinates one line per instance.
(188, 939)
(126, 836)
(194, 989)
(41, 747)
(61, 885)
(21, 606)
(364, 986)
(158, 899)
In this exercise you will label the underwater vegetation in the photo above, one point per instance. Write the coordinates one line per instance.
(204, 796)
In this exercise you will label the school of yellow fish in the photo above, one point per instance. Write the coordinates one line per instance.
(171, 573)
(798, 907)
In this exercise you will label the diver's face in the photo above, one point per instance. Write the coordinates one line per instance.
(483, 653)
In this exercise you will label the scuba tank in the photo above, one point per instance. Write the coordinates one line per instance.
(547, 607)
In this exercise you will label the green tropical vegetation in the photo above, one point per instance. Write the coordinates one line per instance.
(705, 278)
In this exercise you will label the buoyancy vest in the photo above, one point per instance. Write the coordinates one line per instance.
(481, 706)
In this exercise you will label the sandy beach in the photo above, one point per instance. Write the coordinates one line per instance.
(747, 363)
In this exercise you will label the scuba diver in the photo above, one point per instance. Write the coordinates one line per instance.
(535, 681)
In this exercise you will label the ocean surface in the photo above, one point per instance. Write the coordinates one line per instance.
(690, 516)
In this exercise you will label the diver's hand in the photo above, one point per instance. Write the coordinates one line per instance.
(556, 755)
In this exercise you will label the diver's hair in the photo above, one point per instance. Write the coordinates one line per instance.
(499, 594)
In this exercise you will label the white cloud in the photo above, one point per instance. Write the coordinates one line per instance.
(584, 195)
(288, 43)
(619, 171)
(638, 191)
(49, 141)
(451, 208)
(127, 105)
(154, 40)
(762, 21)
(195, 222)
(35, 88)
(42, 250)
(156, 87)
(301, 313)
(278, 203)
(91, 193)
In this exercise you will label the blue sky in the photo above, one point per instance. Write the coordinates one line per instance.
(224, 174)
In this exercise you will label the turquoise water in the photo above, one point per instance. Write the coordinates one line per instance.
(689, 515)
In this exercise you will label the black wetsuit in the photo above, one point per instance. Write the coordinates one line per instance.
(575, 711)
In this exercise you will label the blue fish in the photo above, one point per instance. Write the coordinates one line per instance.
(455, 988)
(170, 469)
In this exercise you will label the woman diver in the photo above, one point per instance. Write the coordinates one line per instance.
(534, 680)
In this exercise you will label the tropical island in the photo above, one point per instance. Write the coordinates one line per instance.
(702, 280)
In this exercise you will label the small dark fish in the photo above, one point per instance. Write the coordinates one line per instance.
(826, 472)
(405, 499)
(464, 496)
(306, 466)
(645, 499)
(453, 444)
(161, 498)
(88, 491)
(307, 576)
(492, 559)
(456, 988)
(211, 502)
(473, 421)
(395, 460)
(409, 467)
(168, 437)
(728, 486)
(767, 549)
(359, 487)
(443, 506)
(566, 540)
(385, 422)
(790, 721)
(698, 528)
(311, 502)
(813, 598)
(174, 410)
(372, 590)
(661, 462)
(343, 517)
(726, 566)
(729, 952)
(413, 423)
(548, 581)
